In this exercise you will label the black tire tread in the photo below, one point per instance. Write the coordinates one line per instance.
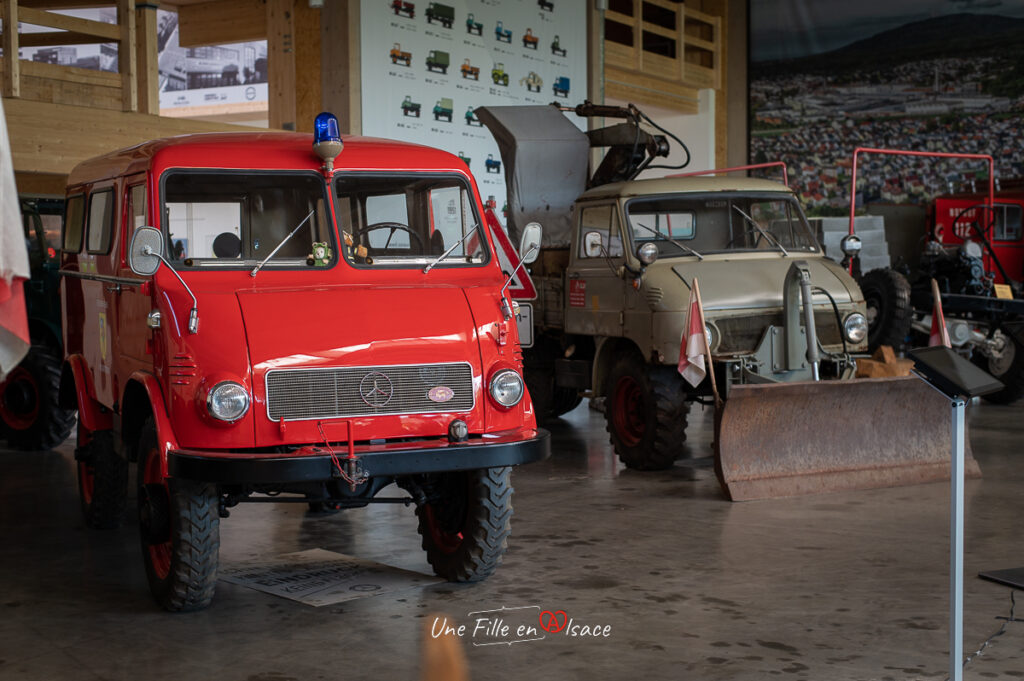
(485, 536)
(109, 503)
(892, 324)
(54, 423)
(195, 539)
(666, 427)
(195, 522)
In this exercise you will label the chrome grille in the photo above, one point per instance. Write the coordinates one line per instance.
(296, 394)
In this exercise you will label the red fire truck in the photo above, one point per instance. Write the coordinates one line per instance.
(953, 219)
(248, 321)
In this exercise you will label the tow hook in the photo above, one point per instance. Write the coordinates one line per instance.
(351, 471)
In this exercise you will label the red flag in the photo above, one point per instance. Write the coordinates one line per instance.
(693, 345)
(939, 334)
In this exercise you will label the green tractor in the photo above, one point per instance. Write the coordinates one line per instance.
(30, 417)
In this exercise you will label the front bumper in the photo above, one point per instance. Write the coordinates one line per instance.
(315, 463)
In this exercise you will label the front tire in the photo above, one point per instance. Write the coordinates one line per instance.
(646, 412)
(179, 527)
(31, 418)
(466, 524)
(1008, 367)
(887, 295)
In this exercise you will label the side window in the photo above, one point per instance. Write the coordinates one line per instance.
(1008, 223)
(74, 219)
(605, 221)
(101, 221)
(137, 196)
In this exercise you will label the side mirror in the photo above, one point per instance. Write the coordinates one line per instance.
(593, 246)
(529, 243)
(647, 253)
(145, 251)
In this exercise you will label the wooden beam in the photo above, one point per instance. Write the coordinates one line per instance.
(40, 184)
(54, 38)
(339, 59)
(307, 84)
(146, 58)
(126, 55)
(12, 64)
(281, 63)
(221, 21)
(64, 4)
(38, 17)
(53, 138)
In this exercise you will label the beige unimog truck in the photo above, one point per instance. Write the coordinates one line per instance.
(613, 286)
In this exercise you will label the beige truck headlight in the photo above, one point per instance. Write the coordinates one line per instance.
(855, 327)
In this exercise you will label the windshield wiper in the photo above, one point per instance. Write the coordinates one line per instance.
(451, 248)
(671, 240)
(283, 242)
(768, 237)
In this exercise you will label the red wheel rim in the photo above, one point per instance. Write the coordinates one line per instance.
(448, 542)
(19, 399)
(159, 554)
(627, 416)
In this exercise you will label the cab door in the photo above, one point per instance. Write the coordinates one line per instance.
(135, 304)
(594, 290)
(99, 292)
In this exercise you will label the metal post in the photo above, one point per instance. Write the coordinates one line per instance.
(956, 545)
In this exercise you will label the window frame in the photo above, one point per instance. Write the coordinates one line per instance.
(81, 225)
(106, 235)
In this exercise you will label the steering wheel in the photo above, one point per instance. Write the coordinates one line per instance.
(743, 234)
(394, 227)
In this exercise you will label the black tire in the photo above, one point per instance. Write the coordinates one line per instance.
(102, 480)
(1008, 367)
(465, 529)
(31, 418)
(889, 312)
(565, 400)
(645, 413)
(179, 528)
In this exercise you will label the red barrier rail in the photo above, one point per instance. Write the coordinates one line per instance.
(718, 171)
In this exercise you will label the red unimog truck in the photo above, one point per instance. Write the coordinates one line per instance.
(289, 330)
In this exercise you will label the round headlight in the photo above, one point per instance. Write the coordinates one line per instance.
(507, 388)
(227, 401)
(855, 327)
(850, 245)
(647, 253)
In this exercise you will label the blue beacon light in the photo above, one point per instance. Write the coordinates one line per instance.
(326, 139)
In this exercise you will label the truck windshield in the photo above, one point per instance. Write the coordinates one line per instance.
(408, 220)
(236, 219)
(713, 223)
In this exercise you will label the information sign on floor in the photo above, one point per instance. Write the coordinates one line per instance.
(317, 577)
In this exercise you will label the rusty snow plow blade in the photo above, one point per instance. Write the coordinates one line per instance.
(790, 439)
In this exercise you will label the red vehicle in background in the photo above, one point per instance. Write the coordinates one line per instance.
(955, 217)
(288, 330)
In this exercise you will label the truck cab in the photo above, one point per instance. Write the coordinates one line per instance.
(279, 316)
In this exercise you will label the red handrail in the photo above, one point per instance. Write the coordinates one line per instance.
(718, 171)
(930, 154)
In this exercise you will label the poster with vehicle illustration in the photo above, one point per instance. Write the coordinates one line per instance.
(460, 54)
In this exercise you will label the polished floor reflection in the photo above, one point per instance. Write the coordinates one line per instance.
(842, 586)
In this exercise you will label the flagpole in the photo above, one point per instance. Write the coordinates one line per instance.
(707, 348)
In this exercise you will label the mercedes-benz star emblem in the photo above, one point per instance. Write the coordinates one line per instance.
(376, 389)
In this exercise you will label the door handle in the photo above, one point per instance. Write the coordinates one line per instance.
(116, 288)
(574, 275)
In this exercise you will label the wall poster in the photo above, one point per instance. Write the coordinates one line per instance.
(827, 76)
(427, 65)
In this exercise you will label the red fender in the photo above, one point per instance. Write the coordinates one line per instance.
(91, 414)
(164, 431)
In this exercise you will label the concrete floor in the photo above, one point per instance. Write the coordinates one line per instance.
(844, 586)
